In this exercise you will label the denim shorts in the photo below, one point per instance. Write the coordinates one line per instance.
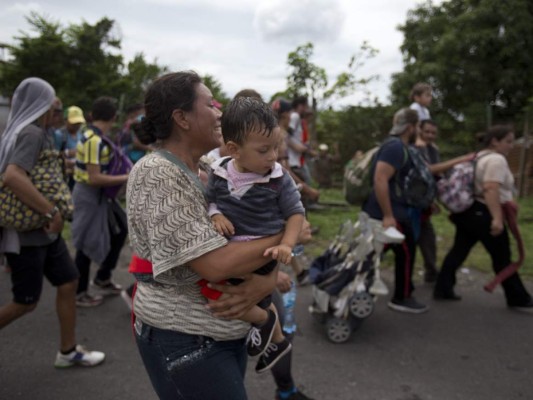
(190, 367)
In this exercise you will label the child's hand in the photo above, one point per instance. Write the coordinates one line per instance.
(282, 253)
(223, 225)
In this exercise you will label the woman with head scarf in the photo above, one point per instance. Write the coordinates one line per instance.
(35, 254)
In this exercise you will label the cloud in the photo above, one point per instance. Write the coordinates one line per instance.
(25, 8)
(299, 21)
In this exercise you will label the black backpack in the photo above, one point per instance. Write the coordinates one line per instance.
(419, 188)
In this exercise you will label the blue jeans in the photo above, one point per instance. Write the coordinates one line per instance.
(189, 367)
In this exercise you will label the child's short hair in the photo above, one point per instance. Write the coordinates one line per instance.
(419, 89)
(104, 109)
(244, 115)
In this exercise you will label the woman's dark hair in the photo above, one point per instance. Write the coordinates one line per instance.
(168, 93)
(244, 115)
(497, 132)
(425, 122)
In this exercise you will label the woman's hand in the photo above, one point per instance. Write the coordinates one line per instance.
(55, 225)
(284, 282)
(244, 296)
(496, 227)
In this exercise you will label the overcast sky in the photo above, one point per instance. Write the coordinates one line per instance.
(241, 43)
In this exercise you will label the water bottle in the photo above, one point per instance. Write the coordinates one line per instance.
(289, 299)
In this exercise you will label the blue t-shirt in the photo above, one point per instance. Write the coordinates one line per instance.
(394, 153)
(64, 141)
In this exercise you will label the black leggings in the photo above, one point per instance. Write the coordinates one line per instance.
(471, 226)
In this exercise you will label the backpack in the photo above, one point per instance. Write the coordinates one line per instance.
(456, 189)
(119, 164)
(357, 183)
(419, 188)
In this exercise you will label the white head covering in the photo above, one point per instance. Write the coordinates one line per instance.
(32, 98)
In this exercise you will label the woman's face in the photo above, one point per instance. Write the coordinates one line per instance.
(205, 123)
(504, 145)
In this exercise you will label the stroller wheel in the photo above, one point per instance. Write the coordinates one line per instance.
(361, 305)
(338, 330)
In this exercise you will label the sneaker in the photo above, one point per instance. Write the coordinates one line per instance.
(259, 337)
(408, 305)
(390, 235)
(298, 395)
(441, 295)
(127, 299)
(80, 356)
(273, 353)
(527, 307)
(85, 299)
(108, 287)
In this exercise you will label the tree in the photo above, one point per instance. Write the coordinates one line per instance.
(308, 79)
(216, 89)
(475, 53)
(82, 62)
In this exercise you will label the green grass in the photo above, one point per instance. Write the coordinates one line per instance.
(330, 219)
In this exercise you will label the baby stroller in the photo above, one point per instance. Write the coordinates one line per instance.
(346, 278)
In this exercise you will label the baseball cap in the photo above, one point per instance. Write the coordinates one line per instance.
(75, 115)
(402, 119)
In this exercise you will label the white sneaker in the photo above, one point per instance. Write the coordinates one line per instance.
(80, 356)
(391, 235)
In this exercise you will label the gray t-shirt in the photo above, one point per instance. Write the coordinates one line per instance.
(30, 142)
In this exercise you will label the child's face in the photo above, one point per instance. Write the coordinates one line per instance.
(258, 153)
(424, 99)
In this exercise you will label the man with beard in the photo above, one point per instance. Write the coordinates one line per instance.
(388, 204)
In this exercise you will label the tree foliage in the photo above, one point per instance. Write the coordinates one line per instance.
(216, 89)
(354, 128)
(476, 54)
(82, 62)
(307, 78)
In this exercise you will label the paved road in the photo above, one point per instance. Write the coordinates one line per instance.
(475, 349)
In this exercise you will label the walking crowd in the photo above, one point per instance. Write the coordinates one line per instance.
(215, 201)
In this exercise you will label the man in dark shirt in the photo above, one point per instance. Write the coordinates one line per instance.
(387, 203)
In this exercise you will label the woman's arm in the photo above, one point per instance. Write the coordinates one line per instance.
(244, 296)
(444, 166)
(491, 194)
(234, 260)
